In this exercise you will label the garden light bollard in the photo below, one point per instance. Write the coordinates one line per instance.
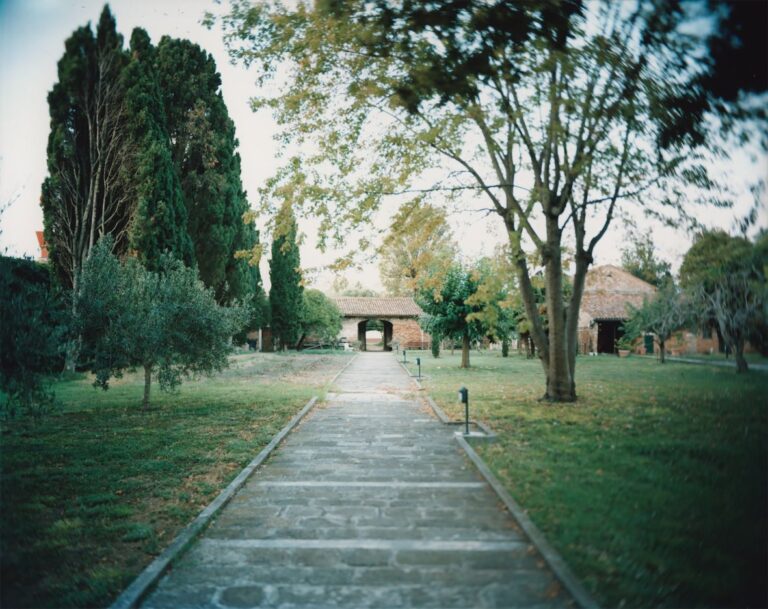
(418, 363)
(464, 399)
(403, 355)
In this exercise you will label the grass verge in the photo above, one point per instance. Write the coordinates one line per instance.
(652, 486)
(90, 495)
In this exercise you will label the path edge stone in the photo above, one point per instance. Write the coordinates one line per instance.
(330, 383)
(551, 556)
(138, 589)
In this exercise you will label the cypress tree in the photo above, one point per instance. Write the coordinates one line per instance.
(160, 219)
(86, 193)
(286, 293)
(204, 149)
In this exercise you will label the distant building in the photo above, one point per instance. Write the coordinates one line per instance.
(43, 246)
(398, 315)
(604, 307)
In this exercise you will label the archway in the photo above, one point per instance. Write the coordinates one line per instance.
(383, 340)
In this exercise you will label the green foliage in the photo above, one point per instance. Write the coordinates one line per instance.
(713, 254)
(319, 318)
(285, 295)
(418, 242)
(661, 315)
(88, 191)
(449, 312)
(166, 322)
(434, 344)
(142, 148)
(159, 221)
(726, 280)
(31, 334)
(204, 151)
(640, 260)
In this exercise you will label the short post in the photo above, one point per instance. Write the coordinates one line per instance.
(403, 355)
(464, 399)
(418, 363)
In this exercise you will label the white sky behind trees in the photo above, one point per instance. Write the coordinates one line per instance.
(32, 35)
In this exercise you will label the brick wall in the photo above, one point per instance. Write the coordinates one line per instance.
(409, 335)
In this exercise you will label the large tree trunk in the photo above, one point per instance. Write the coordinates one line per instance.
(572, 315)
(465, 350)
(147, 384)
(560, 385)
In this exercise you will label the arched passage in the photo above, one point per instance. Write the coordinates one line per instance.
(384, 325)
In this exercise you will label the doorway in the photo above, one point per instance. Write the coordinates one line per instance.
(608, 332)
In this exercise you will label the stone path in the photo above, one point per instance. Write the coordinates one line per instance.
(369, 503)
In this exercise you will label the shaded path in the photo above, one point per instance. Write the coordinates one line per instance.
(369, 503)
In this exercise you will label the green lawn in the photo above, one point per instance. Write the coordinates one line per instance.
(652, 485)
(92, 493)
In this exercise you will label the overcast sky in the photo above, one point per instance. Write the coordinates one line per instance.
(32, 34)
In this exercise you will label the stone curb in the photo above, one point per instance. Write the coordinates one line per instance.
(338, 374)
(490, 434)
(556, 562)
(408, 372)
(137, 590)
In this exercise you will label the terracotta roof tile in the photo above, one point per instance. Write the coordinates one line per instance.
(385, 306)
(609, 289)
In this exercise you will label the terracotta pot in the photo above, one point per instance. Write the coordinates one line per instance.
(624, 352)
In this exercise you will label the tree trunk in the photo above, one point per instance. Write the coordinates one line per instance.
(300, 343)
(72, 349)
(465, 350)
(147, 384)
(662, 351)
(560, 386)
(572, 314)
(741, 363)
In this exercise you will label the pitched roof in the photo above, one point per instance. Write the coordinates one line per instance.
(609, 289)
(386, 306)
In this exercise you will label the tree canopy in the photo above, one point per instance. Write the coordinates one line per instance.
(549, 114)
(726, 279)
(639, 258)
(449, 309)
(319, 318)
(142, 148)
(663, 314)
(418, 242)
(166, 322)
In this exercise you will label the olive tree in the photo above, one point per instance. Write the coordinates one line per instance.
(165, 323)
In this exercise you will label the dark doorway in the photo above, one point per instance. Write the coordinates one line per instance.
(608, 332)
(383, 341)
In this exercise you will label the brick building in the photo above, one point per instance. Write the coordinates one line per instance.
(398, 315)
(607, 292)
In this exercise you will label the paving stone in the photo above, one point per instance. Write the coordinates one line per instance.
(242, 596)
(368, 503)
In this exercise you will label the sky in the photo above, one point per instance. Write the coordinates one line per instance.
(32, 35)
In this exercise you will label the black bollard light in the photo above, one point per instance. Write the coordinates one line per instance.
(403, 355)
(464, 399)
(418, 363)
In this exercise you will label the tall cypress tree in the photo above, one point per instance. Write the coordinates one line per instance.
(204, 149)
(159, 221)
(86, 193)
(285, 295)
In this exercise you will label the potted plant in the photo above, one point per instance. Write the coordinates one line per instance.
(624, 346)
